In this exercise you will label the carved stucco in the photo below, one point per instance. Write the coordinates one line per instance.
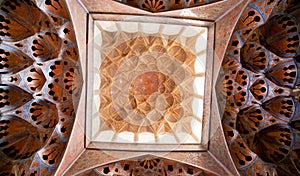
(257, 89)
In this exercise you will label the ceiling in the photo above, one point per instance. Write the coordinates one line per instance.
(250, 121)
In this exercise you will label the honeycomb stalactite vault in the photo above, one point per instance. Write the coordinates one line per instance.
(259, 85)
(40, 85)
(255, 92)
(151, 86)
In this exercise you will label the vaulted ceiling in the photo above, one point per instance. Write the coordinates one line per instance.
(250, 122)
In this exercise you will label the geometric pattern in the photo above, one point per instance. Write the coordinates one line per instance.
(148, 165)
(165, 5)
(81, 156)
(258, 89)
(40, 85)
(151, 87)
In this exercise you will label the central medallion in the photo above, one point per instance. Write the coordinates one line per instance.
(154, 98)
(152, 92)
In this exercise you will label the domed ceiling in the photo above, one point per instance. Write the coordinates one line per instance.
(156, 82)
(149, 87)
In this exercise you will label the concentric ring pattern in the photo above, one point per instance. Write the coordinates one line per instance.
(259, 85)
(39, 85)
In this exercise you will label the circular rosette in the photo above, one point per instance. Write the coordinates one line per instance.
(149, 88)
(145, 95)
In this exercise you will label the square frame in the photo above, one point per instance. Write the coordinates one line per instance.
(215, 157)
(208, 88)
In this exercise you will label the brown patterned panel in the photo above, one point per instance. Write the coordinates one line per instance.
(209, 12)
(40, 85)
(225, 24)
(164, 5)
(147, 165)
(260, 73)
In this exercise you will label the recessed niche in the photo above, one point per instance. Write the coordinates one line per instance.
(146, 83)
